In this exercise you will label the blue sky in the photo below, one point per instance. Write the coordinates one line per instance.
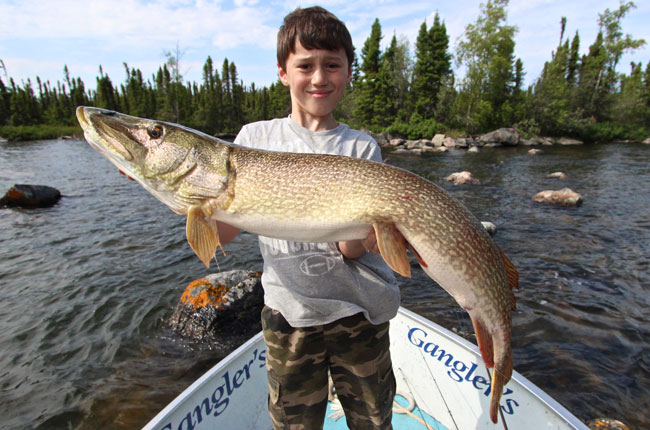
(37, 38)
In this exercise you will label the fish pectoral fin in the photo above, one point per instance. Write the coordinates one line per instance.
(202, 234)
(392, 247)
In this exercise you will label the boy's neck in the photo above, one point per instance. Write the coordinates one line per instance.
(312, 123)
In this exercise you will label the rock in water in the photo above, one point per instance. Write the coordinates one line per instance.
(30, 196)
(461, 178)
(489, 227)
(606, 424)
(563, 197)
(557, 175)
(223, 302)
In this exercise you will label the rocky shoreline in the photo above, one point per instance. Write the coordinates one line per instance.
(497, 138)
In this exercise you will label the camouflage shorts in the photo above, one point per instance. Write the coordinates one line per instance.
(355, 352)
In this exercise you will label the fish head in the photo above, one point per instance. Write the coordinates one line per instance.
(179, 166)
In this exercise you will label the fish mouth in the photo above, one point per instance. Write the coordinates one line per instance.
(102, 130)
(81, 117)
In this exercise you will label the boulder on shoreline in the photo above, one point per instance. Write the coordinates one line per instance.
(497, 138)
(30, 196)
(566, 141)
(502, 136)
(563, 197)
(220, 303)
(462, 178)
(647, 141)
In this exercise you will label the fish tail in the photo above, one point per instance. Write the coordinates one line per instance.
(500, 377)
(497, 355)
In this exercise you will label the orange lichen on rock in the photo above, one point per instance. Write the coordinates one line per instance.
(202, 292)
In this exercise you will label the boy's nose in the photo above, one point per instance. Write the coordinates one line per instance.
(319, 77)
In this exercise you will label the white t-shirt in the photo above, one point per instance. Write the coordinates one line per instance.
(312, 283)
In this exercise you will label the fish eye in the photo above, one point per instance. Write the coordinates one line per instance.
(156, 131)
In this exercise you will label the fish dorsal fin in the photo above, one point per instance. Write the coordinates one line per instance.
(202, 234)
(392, 247)
(512, 274)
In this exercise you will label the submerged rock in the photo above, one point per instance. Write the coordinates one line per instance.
(563, 197)
(462, 178)
(534, 151)
(218, 303)
(30, 196)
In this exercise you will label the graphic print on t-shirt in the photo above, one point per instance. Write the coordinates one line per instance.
(315, 259)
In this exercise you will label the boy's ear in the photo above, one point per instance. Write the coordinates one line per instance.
(283, 75)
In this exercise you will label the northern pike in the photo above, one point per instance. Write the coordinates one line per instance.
(319, 198)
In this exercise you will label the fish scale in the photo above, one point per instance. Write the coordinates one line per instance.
(318, 198)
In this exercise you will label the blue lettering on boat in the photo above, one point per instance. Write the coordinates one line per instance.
(218, 401)
(459, 371)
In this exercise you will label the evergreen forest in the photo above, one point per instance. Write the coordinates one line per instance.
(409, 92)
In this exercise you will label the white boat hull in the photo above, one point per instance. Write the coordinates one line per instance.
(440, 371)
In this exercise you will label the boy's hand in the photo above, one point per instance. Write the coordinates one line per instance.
(370, 242)
(352, 249)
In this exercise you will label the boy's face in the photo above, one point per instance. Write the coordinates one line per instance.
(316, 80)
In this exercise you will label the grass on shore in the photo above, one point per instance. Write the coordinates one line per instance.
(38, 132)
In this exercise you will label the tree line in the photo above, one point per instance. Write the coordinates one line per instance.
(392, 90)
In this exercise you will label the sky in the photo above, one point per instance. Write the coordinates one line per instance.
(37, 38)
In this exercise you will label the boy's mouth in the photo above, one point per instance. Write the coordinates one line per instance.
(320, 94)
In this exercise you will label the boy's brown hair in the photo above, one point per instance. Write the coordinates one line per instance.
(315, 28)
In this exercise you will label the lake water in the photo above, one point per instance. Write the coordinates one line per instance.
(88, 285)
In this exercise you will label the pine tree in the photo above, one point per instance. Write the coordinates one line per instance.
(367, 86)
(432, 67)
(574, 61)
(105, 93)
(4, 103)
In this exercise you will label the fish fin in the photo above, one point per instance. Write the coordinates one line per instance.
(202, 235)
(500, 377)
(513, 277)
(392, 247)
(484, 340)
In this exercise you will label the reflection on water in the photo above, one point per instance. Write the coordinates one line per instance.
(87, 286)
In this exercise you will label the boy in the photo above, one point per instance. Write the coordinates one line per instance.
(327, 305)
